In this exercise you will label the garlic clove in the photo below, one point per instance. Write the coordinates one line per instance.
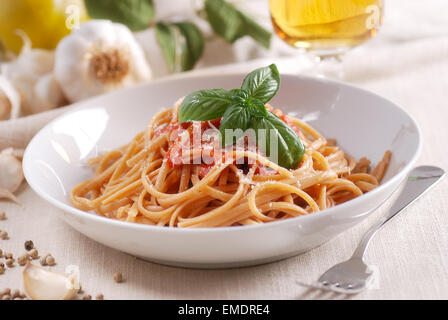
(42, 284)
(17, 153)
(47, 95)
(30, 61)
(6, 194)
(11, 173)
(10, 100)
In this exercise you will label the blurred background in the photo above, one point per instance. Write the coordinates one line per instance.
(48, 50)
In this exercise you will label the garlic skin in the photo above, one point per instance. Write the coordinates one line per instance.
(42, 284)
(99, 57)
(11, 173)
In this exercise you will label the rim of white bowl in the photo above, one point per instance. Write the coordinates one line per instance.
(132, 225)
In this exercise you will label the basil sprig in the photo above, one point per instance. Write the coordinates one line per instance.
(243, 109)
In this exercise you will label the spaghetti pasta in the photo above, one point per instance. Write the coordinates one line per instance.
(152, 180)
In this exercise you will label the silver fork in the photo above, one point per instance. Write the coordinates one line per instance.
(353, 276)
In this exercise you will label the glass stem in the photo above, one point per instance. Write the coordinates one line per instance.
(329, 66)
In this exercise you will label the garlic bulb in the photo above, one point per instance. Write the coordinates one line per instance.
(25, 76)
(99, 57)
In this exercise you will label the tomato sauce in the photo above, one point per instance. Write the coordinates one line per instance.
(205, 148)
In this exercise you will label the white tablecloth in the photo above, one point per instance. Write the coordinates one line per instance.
(407, 63)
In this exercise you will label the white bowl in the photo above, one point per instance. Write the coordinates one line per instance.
(363, 123)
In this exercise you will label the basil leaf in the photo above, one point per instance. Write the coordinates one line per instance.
(263, 83)
(239, 95)
(237, 118)
(205, 105)
(257, 32)
(194, 44)
(290, 149)
(225, 19)
(135, 14)
(166, 38)
(231, 24)
(256, 107)
(181, 43)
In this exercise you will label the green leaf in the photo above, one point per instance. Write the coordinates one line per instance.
(257, 32)
(236, 118)
(181, 43)
(231, 24)
(225, 19)
(290, 149)
(166, 38)
(194, 41)
(256, 107)
(243, 98)
(205, 105)
(135, 14)
(239, 95)
(263, 83)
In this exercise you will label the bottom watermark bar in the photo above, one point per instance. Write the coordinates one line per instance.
(222, 310)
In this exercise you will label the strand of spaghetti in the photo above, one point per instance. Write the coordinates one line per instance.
(120, 193)
(257, 157)
(286, 207)
(104, 160)
(242, 210)
(122, 161)
(223, 177)
(157, 143)
(362, 176)
(185, 178)
(307, 128)
(277, 186)
(248, 222)
(168, 199)
(365, 186)
(239, 212)
(320, 159)
(342, 185)
(322, 198)
(380, 169)
(152, 215)
(94, 182)
(215, 212)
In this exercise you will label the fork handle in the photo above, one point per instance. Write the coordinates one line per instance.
(419, 180)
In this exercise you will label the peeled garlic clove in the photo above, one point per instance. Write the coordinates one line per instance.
(42, 284)
(10, 101)
(11, 173)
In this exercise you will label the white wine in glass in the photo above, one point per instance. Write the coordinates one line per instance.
(327, 28)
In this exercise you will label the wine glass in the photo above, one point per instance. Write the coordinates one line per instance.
(326, 28)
